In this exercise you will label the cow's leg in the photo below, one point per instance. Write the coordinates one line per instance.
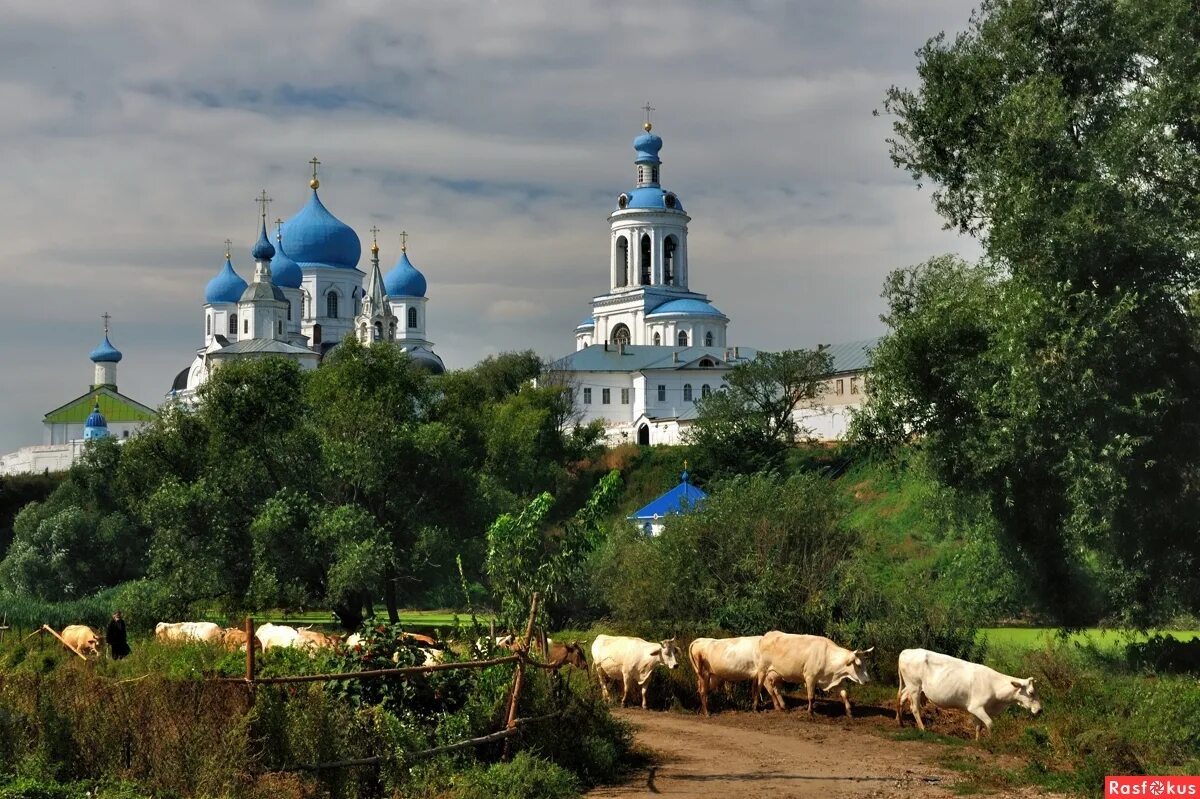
(702, 684)
(846, 702)
(982, 719)
(603, 685)
(771, 682)
(915, 695)
(755, 692)
(810, 687)
(624, 689)
(642, 690)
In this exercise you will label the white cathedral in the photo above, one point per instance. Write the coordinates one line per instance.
(652, 347)
(306, 294)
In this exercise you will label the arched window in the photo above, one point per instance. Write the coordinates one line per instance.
(246, 326)
(232, 324)
(331, 305)
(619, 335)
(705, 390)
(687, 392)
(645, 259)
(208, 324)
(412, 317)
(669, 260)
(657, 340)
(683, 338)
(378, 331)
(622, 261)
(708, 339)
(706, 363)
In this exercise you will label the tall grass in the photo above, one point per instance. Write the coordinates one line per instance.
(25, 612)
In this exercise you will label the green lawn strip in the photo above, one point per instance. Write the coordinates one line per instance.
(1025, 638)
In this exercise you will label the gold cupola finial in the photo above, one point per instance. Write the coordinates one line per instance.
(403, 241)
(228, 249)
(648, 125)
(314, 184)
(374, 240)
(278, 229)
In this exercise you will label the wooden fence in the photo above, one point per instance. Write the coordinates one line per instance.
(512, 725)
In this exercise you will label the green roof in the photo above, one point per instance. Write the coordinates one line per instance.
(115, 406)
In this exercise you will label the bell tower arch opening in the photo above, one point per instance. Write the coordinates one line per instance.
(644, 259)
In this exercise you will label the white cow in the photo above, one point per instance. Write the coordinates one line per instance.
(83, 638)
(718, 660)
(950, 682)
(630, 660)
(811, 659)
(204, 632)
(278, 635)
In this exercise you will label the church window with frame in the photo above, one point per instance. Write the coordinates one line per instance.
(841, 387)
(657, 340)
(645, 259)
(331, 305)
(624, 396)
(687, 392)
(620, 335)
(669, 247)
(289, 310)
(412, 317)
(208, 324)
(279, 327)
(854, 385)
(683, 338)
(606, 396)
(622, 258)
(662, 393)
(587, 396)
(708, 339)
(245, 326)
(232, 327)
(705, 391)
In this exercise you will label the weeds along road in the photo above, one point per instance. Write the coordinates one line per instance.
(748, 755)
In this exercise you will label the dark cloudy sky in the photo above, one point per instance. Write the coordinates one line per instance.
(135, 136)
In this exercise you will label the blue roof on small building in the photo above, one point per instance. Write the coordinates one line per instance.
(587, 322)
(95, 418)
(689, 307)
(683, 498)
(651, 197)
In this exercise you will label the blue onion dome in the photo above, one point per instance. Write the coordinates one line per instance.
(106, 352)
(226, 286)
(285, 272)
(404, 280)
(647, 146)
(685, 307)
(263, 249)
(95, 418)
(316, 237)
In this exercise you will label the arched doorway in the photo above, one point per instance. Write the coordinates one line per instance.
(644, 435)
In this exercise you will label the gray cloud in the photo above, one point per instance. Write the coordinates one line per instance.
(496, 133)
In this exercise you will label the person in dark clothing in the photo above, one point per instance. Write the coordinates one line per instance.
(118, 643)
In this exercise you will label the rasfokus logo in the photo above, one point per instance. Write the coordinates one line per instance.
(1151, 786)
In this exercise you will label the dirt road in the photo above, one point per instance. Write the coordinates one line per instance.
(771, 755)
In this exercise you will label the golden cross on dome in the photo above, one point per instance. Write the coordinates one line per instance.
(228, 247)
(278, 229)
(403, 241)
(264, 201)
(648, 108)
(374, 239)
(314, 183)
(105, 317)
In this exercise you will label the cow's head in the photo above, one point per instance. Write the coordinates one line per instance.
(1026, 695)
(91, 647)
(575, 656)
(669, 654)
(851, 668)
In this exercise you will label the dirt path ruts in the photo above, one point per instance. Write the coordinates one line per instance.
(744, 755)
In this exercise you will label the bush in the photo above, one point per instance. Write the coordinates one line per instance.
(525, 777)
(760, 554)
(1164, 655)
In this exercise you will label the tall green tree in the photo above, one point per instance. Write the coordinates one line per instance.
(1063, 134)
(749, 426)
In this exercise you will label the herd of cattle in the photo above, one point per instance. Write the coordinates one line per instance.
(765, 661)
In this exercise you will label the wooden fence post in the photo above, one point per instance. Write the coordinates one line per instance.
(519, 673)
(249, 627)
